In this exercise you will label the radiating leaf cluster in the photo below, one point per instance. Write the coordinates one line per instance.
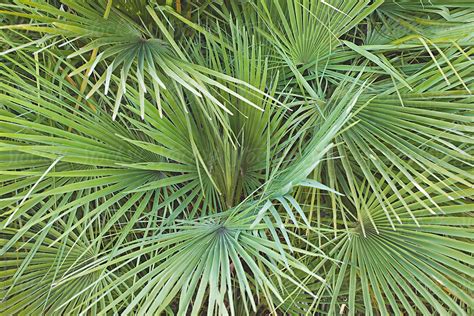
(236, 157)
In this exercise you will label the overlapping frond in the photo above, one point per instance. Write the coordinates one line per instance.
(236, 157)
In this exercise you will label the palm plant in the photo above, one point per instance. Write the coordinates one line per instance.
(236, 157)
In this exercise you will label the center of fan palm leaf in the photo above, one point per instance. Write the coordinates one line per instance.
(221, 230)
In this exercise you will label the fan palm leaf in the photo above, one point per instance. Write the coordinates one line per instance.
(236, 158)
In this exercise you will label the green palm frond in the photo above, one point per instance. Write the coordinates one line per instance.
(416, 267)
(122, 51)
(283, 157)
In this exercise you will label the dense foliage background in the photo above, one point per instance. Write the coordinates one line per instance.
(236, 157)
